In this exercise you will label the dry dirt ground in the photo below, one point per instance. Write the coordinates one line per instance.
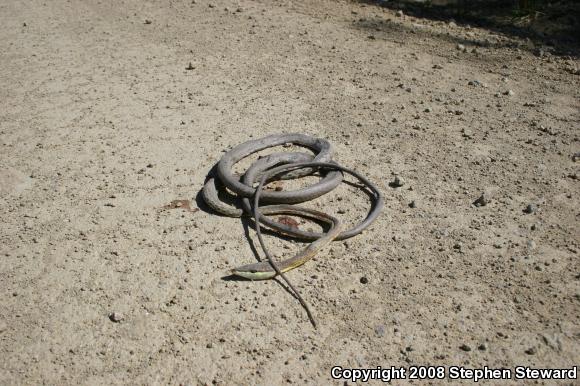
(102, 126)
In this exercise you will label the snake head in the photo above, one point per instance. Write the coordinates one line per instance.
(257, 271)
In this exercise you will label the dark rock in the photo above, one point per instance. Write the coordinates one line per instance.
(531, 351)
(465, 347)
(481, 201)
(531, 208)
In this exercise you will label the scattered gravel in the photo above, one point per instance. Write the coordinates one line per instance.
(83, 123)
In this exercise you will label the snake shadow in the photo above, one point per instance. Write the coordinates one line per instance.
(242, 279)
(224, 196)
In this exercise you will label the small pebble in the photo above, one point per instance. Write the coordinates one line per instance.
(397, 182)
(531, 351)
(509, 92)
(482, 347)
(412, 204)
(364, 280)
(465, 347)
(531, 208)
(380, 330)
(461, 47)
(116, 317)
(481, 201)
(399, 13)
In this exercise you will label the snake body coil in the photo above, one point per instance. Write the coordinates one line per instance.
(284, 165)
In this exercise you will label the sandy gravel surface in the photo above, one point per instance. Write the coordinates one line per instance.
(102, 126)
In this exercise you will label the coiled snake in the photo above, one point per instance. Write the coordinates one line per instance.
(284, 165)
